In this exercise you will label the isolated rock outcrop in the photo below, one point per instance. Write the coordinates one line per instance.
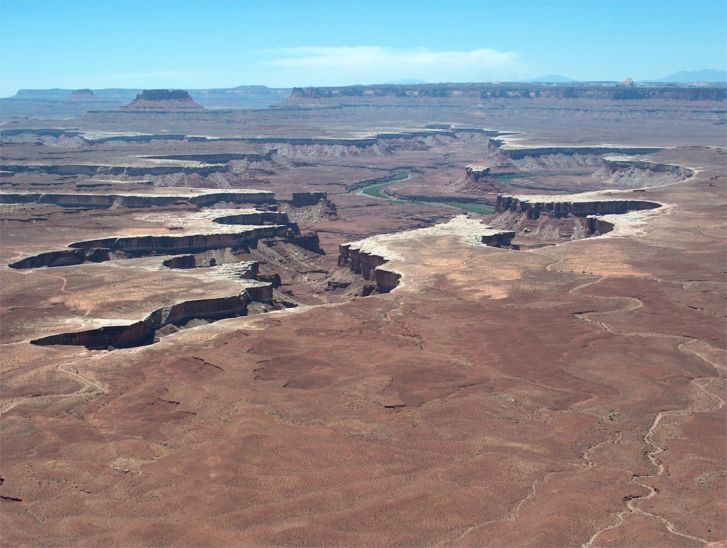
(499, 238)
(477, 172)
(181, 262)
(163, 99)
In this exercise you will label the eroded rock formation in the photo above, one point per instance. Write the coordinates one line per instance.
(66, 257)
(555, 206)
(307, 240)
(368, 265)
(498, 238)
(517, 153)
(129, 170)
(144, 332)
(185, 243)
(366, 257)
(255, 225)
(477, 172)
(301, 199)
(360, 262)
(551, 218)
(163, 99)
(254, 218)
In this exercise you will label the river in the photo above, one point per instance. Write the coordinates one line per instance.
(376, 190)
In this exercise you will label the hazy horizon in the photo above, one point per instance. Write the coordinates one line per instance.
(198, 45)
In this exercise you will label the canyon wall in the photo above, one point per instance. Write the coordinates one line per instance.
(186, 243)
(101, 201)
(255, 218)
(534, 152)
(144, 332)
(537, 205)
(66, 257)
(131, 171)
(301, 199)
(368, 265)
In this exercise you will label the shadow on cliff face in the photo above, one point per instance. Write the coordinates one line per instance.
(538, 221)
(164, 320)
(255, 227)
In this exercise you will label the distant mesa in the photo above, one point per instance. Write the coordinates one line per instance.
(479, 93)
(82, 95)
(163, 100)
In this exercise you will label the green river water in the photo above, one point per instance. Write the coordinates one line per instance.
(376, 190)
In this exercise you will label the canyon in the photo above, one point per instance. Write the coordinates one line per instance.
(456, 314)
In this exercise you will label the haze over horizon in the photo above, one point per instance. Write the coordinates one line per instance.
(195, 44)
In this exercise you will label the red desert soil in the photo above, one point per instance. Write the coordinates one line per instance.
(569, 393)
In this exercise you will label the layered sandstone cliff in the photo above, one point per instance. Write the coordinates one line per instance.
(369, 257)
(567, 217)
(66, 257)
(145, 331)
(186, 233)
(477, 172)
(302, 199)
(186, 243)
(563, 206)
(138, 200)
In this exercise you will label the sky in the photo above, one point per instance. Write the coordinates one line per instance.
(283, 43)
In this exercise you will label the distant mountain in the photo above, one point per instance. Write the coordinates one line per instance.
(686, 76)
(549, 79)
(406, 82)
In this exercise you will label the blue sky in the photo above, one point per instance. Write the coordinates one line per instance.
(224, 43)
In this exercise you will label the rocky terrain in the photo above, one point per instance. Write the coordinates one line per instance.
(414, 315)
